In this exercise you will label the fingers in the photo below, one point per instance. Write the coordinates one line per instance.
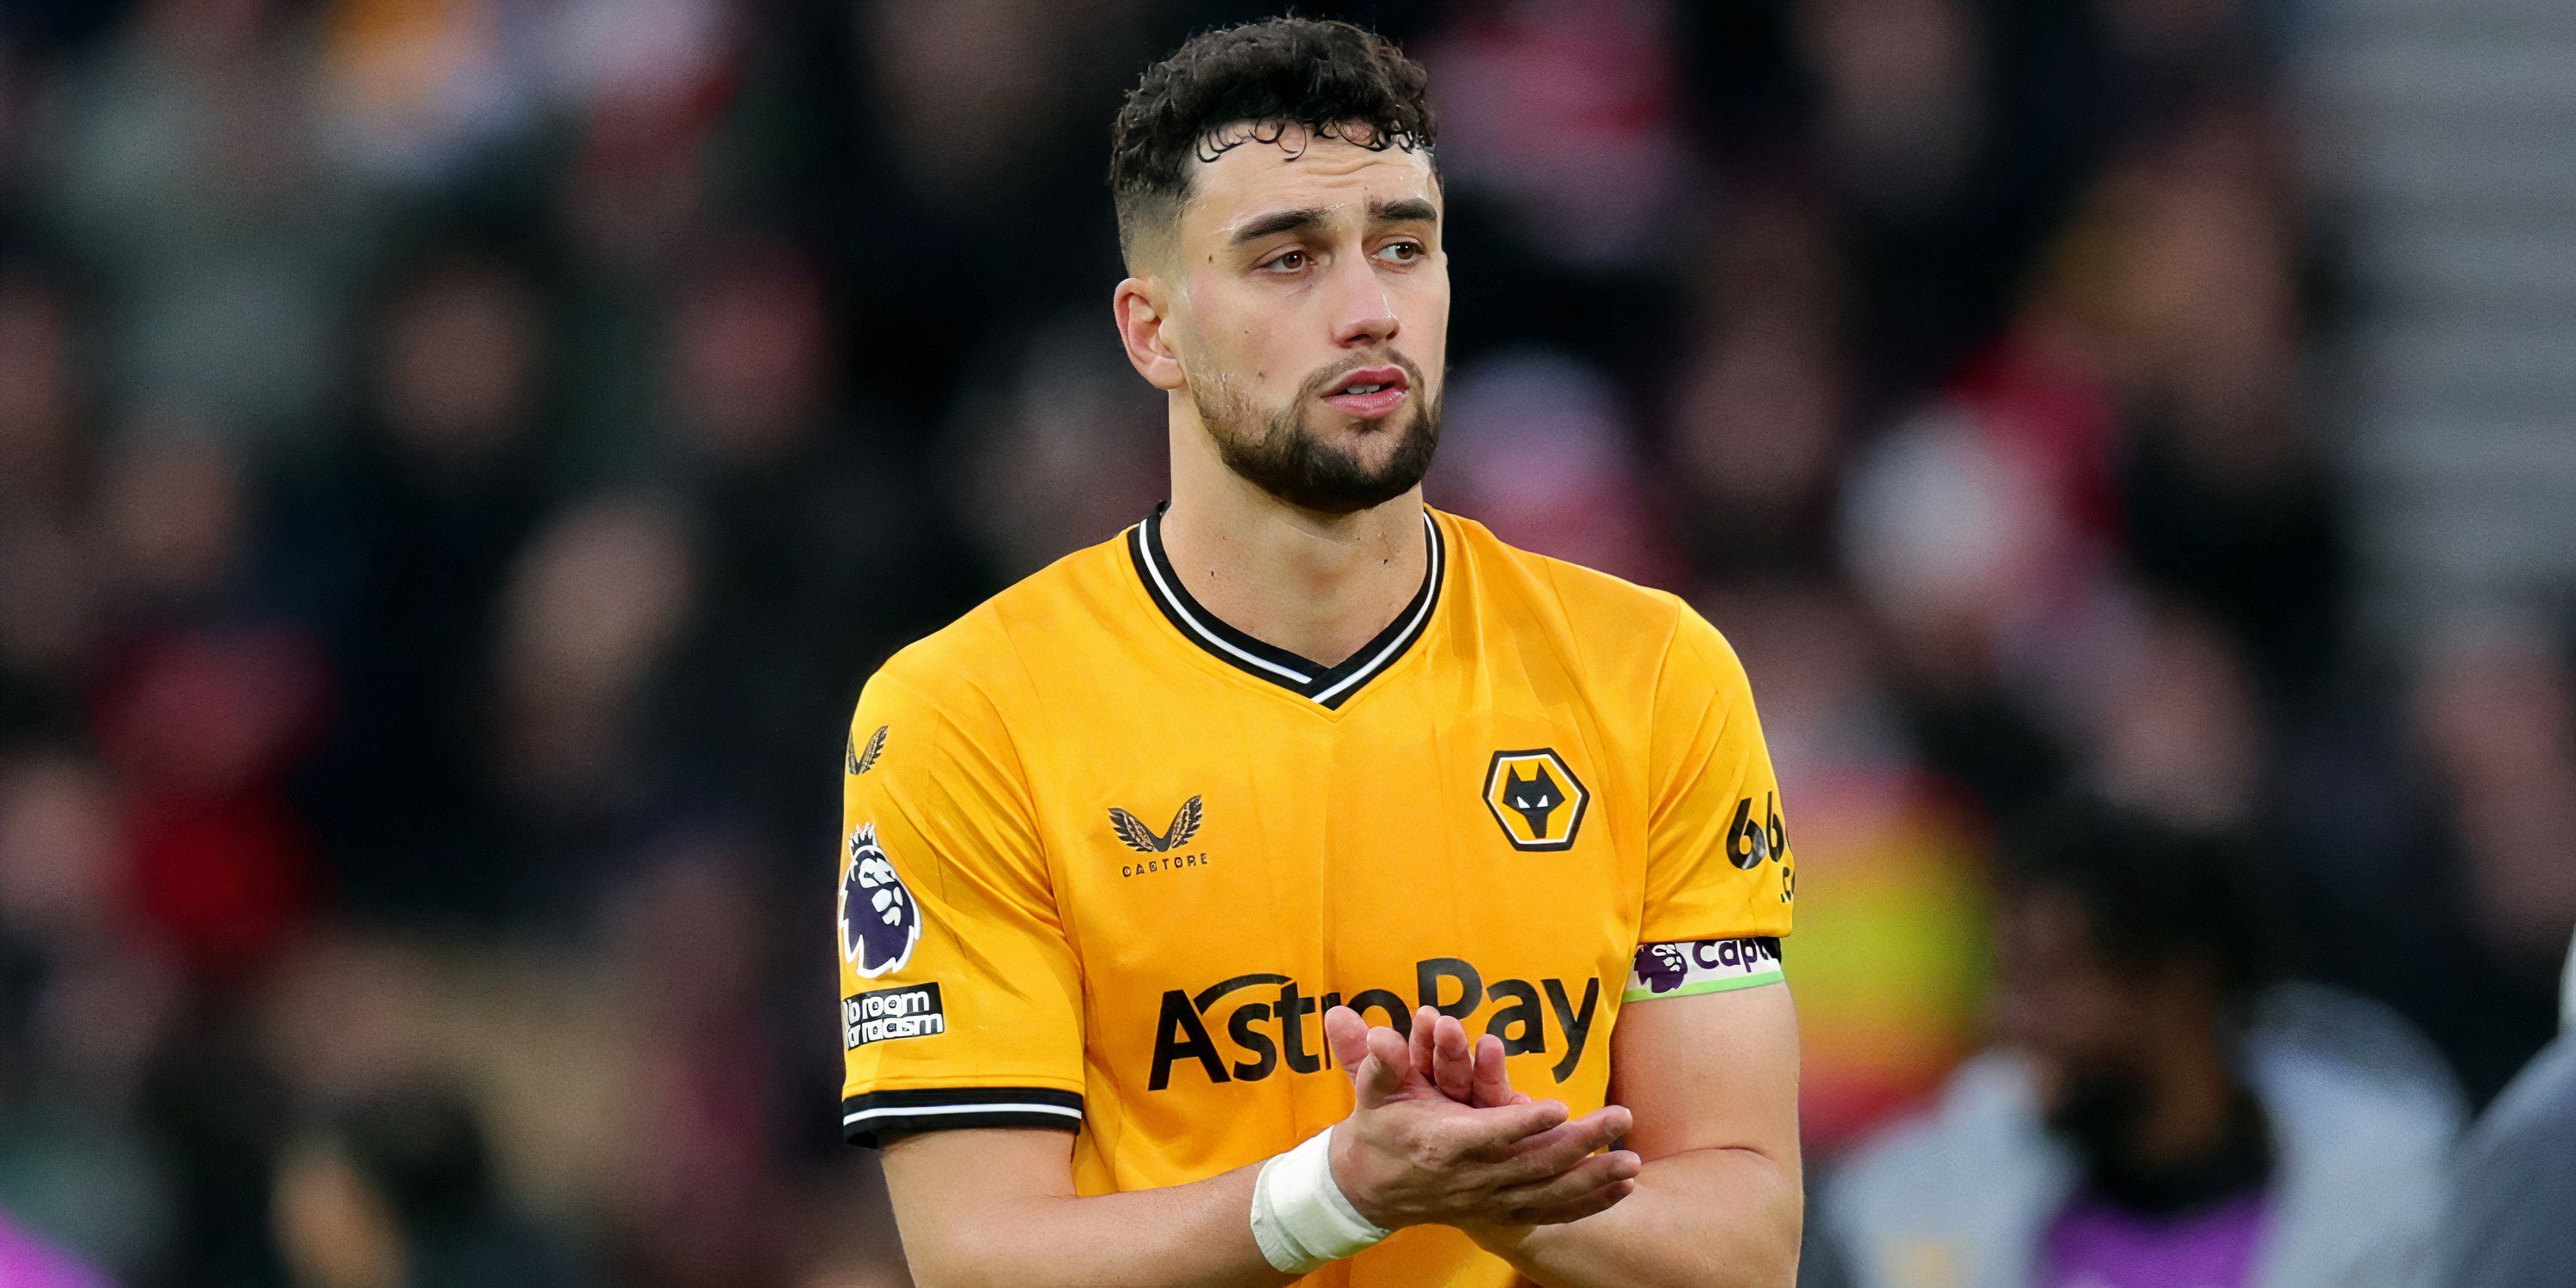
(1420, 1037)
(1390, 1063)
(1347, 1034)
(1496, 1134)
(1574, 1184)
(1453, 1060)
(1615, 1119)
(1468, 1071)
(1375, 1058)
(1600, 1200)
(1549, 1153)
(1492, 1084)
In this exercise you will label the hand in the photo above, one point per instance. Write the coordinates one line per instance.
(1413, 1154)
(1469, 1074)
(1474, 1074)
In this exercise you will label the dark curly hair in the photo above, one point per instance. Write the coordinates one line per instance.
(2153, 893)
(1334, 79)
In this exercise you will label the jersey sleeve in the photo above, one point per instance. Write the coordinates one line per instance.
(960, 1003)
(1720, 872)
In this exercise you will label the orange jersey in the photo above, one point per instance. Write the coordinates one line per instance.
(1107, 860)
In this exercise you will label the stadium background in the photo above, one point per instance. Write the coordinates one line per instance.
(458, 459)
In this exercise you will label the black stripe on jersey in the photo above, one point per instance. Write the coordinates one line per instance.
(865, 1119)
(1330, 686)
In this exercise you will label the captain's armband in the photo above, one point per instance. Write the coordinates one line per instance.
(1702, 966)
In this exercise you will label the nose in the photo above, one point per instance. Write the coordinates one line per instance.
(1362, 315)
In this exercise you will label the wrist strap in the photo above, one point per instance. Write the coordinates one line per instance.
(1300, 1216)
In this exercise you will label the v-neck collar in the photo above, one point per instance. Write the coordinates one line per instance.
(1327, 686)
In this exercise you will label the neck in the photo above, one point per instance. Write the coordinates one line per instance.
(1318, 585)
(2201, 1138)
(2195, 1100)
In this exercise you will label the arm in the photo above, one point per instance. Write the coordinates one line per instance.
(999, 1206)
(1713, 1082)
(1709, 1068)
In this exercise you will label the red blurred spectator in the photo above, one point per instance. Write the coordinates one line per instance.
(203, 711)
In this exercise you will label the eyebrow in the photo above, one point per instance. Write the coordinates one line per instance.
(1400, 210)
(1276, 222)
(1404, 210)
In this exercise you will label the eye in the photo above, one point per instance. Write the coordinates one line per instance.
(1287, 261)
(1405, 251)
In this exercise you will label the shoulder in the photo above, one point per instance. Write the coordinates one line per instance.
(2352, 1103)
(1984, 1120)
(2346, 1073)
(1961, 1173)
(1603, 618)
(975, 669)
(1587, 599)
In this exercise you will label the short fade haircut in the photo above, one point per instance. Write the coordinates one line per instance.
(1332, 78)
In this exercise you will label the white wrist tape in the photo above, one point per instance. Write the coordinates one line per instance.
(1299, 1215)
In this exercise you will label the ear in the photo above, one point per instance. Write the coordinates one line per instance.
(1143, 326)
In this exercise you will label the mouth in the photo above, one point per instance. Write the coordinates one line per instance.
(1370, 393)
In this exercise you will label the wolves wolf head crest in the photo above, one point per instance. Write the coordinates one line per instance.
(1535, 797)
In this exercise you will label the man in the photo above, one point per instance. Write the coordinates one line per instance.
(2157, 1119)
(1207, 895)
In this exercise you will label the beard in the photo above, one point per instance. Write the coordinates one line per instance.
(2097, 1114)
(1286, 455)
(2095, 1111)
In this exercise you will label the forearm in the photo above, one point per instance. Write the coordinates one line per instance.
(1714, 1217)
(1186, 1236)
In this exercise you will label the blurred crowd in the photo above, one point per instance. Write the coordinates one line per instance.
(460, 458)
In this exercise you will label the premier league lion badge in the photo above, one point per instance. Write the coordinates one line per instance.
(879, 920)
(1663, 967)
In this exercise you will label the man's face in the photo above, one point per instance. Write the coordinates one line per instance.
(2085, 1026)
(1299, 269)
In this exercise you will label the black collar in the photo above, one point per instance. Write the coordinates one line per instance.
(1328, 686)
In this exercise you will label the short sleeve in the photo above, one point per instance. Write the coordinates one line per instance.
(960, 1003)
(1719, 865)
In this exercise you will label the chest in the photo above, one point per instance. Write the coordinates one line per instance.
(2092, 1244)
(1228, 868)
